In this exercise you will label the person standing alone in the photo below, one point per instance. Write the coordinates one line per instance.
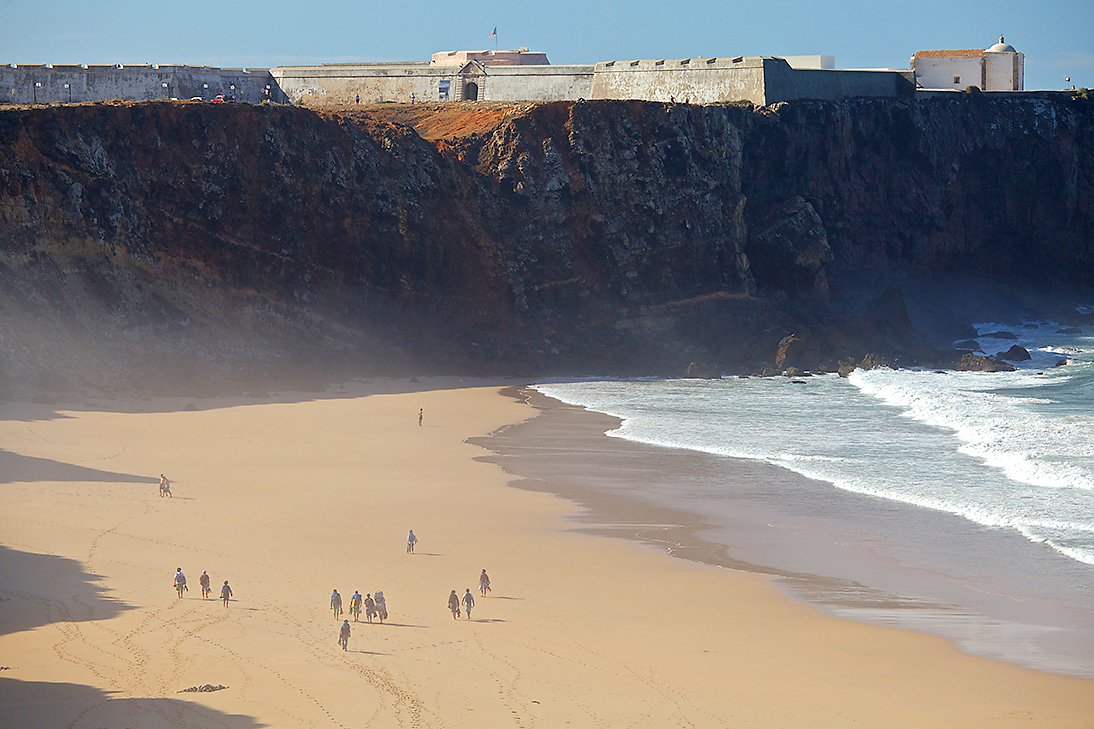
(225, 593)
(343, 635)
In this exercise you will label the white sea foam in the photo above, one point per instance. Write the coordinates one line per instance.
(1003, 450)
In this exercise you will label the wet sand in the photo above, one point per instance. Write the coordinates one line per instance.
(288, 500)
(852, 555)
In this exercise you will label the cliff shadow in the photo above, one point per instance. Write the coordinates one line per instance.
(29, 469)
(39, 589)
(44, 705)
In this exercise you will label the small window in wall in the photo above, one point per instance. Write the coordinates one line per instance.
(445, 86)
(956, 80)
(471, 92)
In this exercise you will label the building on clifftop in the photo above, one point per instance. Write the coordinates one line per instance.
(999, 68)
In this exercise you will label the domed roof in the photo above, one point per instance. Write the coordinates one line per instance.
(1001, 47)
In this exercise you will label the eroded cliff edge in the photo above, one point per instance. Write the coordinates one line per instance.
(170, 245)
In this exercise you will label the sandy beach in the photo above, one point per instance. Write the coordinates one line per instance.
(292, 497)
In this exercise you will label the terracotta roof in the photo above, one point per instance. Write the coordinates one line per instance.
(967, 53)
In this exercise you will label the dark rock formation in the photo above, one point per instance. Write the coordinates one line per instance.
(1015, 354)
(1000, 335)
(969, 344)
(975, 363)
(795, 352)
(789, 249)
(162, 245)
(703, 371)
(1070, 330)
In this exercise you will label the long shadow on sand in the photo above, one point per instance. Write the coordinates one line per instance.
(43, 705)
(39, 589)
(28, 469)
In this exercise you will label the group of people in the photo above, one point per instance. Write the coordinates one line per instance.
(375, 606)
(468, 600)
(206, 590)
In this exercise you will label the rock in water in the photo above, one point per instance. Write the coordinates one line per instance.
(703, 371)
(975, 363)
(1000, 335)
(795, 351)
(969, 344)
(1015, 354)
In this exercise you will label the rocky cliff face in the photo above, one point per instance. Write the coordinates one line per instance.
(174, 244)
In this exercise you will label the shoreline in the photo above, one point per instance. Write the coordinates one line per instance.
(839, 577)
(291, 498)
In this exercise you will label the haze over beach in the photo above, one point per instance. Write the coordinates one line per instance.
(761, 392)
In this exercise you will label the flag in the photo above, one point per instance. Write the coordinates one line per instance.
(494, 32)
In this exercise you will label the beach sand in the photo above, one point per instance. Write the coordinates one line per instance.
(290, 499)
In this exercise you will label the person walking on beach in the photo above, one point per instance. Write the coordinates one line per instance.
(355, 606)
(454, 604)
(381, 605)
(411, 540)
(336, 603)
(343, 635)
(484, 583)
(370, 608)
(204, 581)
(180, 582)
(165, 486)
(225, 593)
(468, 602)
(421, 414)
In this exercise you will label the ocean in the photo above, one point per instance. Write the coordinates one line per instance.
(956, 503)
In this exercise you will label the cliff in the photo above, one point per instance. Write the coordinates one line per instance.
(171, 245)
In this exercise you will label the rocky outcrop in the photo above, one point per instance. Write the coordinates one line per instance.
(969, 362)
(187, 242)
(789, 249)
(1015, 354)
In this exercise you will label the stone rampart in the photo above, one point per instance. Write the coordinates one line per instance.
(24, 84)
(760, 80)
(538, 83)
(693, 80)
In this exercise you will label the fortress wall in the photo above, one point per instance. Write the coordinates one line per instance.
(783, 83)
(321, 85)
(539, 83)
(45, 84)
(696, 80)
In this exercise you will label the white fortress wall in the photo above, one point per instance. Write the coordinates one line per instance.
(695, 80)
(1004, 72)
(538, 83)
(376, 83)
(947, 73)
(23, 84)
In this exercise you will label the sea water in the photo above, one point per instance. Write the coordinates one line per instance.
(980, 486)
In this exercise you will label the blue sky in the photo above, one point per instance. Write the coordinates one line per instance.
(1057, 36)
